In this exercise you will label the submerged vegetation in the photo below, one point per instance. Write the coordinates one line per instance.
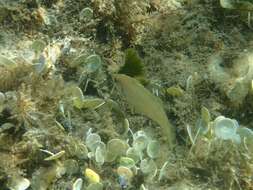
(126, 94)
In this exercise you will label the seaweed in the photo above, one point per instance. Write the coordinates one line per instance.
(133, 65)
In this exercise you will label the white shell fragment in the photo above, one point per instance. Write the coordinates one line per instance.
(92, 141)
(153, 149)
(189, 131)
(89, 63)
(134, 154)
(162, 172)
(86, 14)
(227, 4)
(244, 5)
(93, 63)
(55, 156)
(148, 167)
(225, 128)
(2, 97)
(140, 140)
(116, 147)
(77, 185)
(127, 162)
(246, 136)
(92, 103)
(48, 58)
(125, 171)
(100, 153)
(20, 183)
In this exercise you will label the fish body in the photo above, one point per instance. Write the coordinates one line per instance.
(144, 102)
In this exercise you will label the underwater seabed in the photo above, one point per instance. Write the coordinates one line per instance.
(126, 95)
